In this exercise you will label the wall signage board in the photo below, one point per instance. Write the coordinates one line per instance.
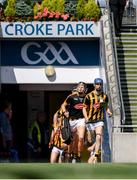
(58, 53)
(56, 29)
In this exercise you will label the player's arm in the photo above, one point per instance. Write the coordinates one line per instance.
(85, 113)
(85, 106)
(63, 107)
(107, 107)
(55, 120)
(51, 138)
(109, 111)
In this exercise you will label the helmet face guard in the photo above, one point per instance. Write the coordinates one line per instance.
(98, 81)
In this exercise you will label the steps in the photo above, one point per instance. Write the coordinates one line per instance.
(127, 60)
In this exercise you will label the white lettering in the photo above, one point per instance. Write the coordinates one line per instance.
(43, 56)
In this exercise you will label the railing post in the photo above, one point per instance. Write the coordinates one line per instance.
(0, 66)
(136, 13)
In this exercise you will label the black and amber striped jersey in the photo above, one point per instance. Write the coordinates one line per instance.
(96, 104)
(57, 139)
(56, 136)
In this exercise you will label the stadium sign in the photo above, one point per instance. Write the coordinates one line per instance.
(59, 29)
(57, 53)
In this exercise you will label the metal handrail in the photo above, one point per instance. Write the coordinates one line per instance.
(125, 126)
(0, 67)
(106, 148)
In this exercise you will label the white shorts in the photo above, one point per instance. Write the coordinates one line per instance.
(75, 123)
(57, 150)
(92, 126)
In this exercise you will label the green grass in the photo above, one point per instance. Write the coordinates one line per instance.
(68, 171)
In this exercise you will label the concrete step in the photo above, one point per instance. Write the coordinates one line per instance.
(128, 66)
(126, 84)
(129, 30)
(133, 82)
(130, 130)
(124, 43)
(129, 86)
(127, 93)
(127, 62)
(127, 59)
(128, 99)
(128, 103)
(132, 103)
(128, 34)
(131, 120)
(131, 98)
(130, 108)
(127, 46)
(127, 54)
(131, 113)
(130, 92)
(128, 26)
(130, 75)
(130, 71)
(127, 50)
(128, 40)
(129, 116)
(128, 78)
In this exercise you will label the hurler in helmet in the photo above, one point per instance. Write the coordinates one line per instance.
(95, 106)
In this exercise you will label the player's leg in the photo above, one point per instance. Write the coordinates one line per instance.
(54, 155)
(81, 133)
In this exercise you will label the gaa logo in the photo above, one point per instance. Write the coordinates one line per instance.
(43, 56)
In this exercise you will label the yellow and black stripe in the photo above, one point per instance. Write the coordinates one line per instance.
(57, 140)
(96, 104)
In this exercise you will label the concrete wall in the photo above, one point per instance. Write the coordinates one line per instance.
(124, 147)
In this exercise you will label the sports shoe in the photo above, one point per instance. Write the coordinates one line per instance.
(78, 159)
(69, 158)
(74, 160)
